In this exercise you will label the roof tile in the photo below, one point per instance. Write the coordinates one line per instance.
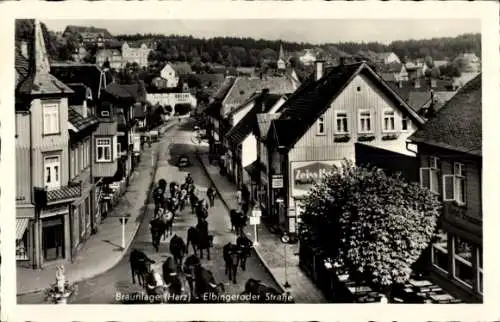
(458, 124)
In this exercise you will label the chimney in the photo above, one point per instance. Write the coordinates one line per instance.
(84, 109)
(24, 49)
(431, 111)
(319, 69)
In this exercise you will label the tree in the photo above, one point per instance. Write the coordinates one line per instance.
(450, 70)
(372, 226)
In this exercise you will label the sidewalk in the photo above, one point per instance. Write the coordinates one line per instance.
(270, 249)
(102, 251)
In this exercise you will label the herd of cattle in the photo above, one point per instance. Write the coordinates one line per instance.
(168, 287)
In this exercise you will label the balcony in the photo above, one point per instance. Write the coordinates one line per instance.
(64, 194)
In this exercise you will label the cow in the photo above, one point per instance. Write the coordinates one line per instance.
(238, 221)
(231, 254)
(159, 194)
(201, 211)
(171, 276)
(188, 269)
(160, 226)
(193, 202)
(155, 287)
(260, 292)
(173, 189)
(200, 239)
(245, 245)
(177, 249)
(205, 284)
(140, 265)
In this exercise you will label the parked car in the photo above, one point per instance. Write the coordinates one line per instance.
(183, 161)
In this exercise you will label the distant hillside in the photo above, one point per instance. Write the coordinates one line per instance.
(236, 52)
(248, 51)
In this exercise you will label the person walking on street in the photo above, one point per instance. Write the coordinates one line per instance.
(211, 196)
(239, 197)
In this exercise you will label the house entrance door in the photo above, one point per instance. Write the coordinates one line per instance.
(53, 238)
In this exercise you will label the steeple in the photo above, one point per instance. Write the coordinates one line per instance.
(281, 55)
(281, 59)
(42, 65)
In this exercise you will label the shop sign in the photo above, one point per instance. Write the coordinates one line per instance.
(459, 216)
(136, 140)
(254, 220)
(305, 174)
(277, 181)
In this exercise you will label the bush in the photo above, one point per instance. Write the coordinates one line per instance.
(372, 225)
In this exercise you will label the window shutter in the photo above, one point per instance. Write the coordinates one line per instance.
(425, 181)
(448, 187)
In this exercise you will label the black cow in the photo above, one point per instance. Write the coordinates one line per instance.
(177, 249)
(238, 221)
(193, 201)
(160, 226)
(140, 265)
(171, 276)
(188, 269)
(173, 189)
(201, 211)
(245, 245)
(200, 239)
(231, 254)
(260, 292)
(205, 284)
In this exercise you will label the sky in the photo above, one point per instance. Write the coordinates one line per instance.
(312, 31)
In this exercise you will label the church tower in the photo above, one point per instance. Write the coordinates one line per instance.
(281, 59)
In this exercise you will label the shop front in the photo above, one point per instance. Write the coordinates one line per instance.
(457, 256)
(302, 176)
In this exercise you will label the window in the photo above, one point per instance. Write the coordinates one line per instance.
(50, 118)
(341, 121)
(454, 185)
(321, 125)
(105, 113)
(440, 252)
(365, 124)
(405, 123)
(52, 172)
(462, 261)
(118, 148)
(103, 150)
(389, 121)
(429, 176)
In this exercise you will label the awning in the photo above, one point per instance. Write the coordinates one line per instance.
(21, 225)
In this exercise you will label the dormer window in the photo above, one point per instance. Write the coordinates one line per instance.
(50, 118)
(105, 113)
(321, 125)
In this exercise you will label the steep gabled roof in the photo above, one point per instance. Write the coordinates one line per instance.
(88, 74)
(304, 106)
(264, 123)
(458, 125)
(224, 88)
(262, 104)
(78, 121)
(243, 87)
(134, 92)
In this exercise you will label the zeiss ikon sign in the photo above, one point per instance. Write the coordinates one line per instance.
(305, 174)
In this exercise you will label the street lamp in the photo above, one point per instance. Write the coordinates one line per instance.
(255, 220)
(285, 239)
(123, 221)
